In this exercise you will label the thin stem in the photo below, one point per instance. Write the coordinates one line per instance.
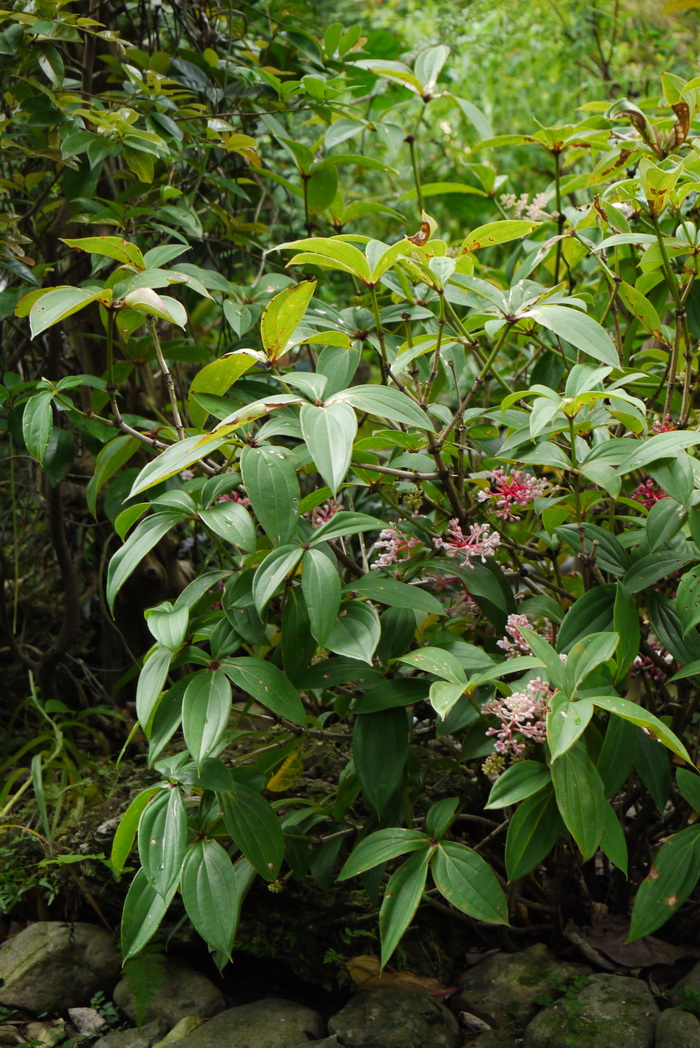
(411, 140)
(560, 217)
(165, 371)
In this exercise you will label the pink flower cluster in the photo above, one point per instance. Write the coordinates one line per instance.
(481, 542)
(664, 426)
(233, 496)
(512, 489)
(514, 643)
(521, 205)
(643, 666)
(648, 494)
(322, 514)
(397, 547)
(522, 716)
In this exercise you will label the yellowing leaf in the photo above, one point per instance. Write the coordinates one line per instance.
(288, 774)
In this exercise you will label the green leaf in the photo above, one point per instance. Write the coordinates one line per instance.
(111, 458)
(355, 632)
(626, 623)
(273, 489)
(641, 308)
(532, 833)
(151, 682)
(670, 881)
(521, 780)
(385, 403)
(578, 789)
(687, 600)
(501, 232)
(268, 686)
(143, 911)
(162, 838)
(613, 842)
(343, 524)
(579, 329)
(329, 433)
(380, 847)
(585, 655)
(380, 749)
(255, 829)
(332, 253)
(650, 569)
(272, 572)
(428, 65)
(110, 247)
(652, 764)
(632, 712)
(217, 378)
(140, 542)
(37, 423)
(443, 696)
(320, 585)
(205, 712)
(62, 302)
(592, 613)
(469, 883)
(689, 785)
(231, 522)
(401, 900)
(615, 759)
(210, 894)
(169, 624)
(661, 446)
(126, 831)
(440, 816)
(396, 594)
(173, 460)
(282, 316)
(543, 650)
(438, 662)
(566, 722)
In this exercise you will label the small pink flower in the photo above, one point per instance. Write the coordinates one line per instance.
(522, 715)
(396, 545)
(514, 643)
(515, 489)
(648, 494)
(664, 426)
(322, 514)
(644, 666)
(233, 496)
(481, 542)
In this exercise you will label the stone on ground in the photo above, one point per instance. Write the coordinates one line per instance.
(184, 992)
(395, 1019)
(677, 1029)
(51, 966)
(270, 1023)
(143, 1038)
(504, 988)
(612, 1011)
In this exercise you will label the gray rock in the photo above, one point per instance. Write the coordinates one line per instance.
(327, 1042)
(395, 1019)
(677, 1029)
(51, 966)
(133, 1038)
(504, 988)
(612, 1010)
(183, 992)
(494, 1039)
(691, 980)
(270, 1023)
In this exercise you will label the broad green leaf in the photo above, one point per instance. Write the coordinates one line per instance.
(689, 785)
(428, 65)
(380, 748)
(111, 458)
(615, 759)
(126, 831)
(543, 650)
(355, 632)
(210, 894)
(231, 522)
(578, 789)
(217, 378)
(566, 722)
(532, 833)
(282, 316)
(343, 524)
(396, 594)
(143, 911)
(146, 300)
(272, 572)
(438, 662)
(440, 817)
(641, 308)
(626, 623)
(468, 882)
(585, 655)
(333, 253)
(320, 585)
(444, 695)
(110, 247)
(613, 842)
(380, 847)
(151, 682)
(37, 423)
(401, 691)
(205, 712)
(140, 542)
(168, 624)
(62, 302)
(661, 446)
(255, 829)
(268, 686)
(329, 433)
(652, 764)
(687, 600)
(670, 881)
(579, 329)
(385, 402)
(250, 413)
(496, 233)
(632, 712)
(521, 780)
(401, 900)
(173, 460)
(162, 839)
(592, 613)
(650, 569)
(273, 489)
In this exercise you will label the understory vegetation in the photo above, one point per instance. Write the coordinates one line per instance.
(351, 377)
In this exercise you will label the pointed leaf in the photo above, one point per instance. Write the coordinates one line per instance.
(469, 883)
(141, 541)
(566, 722)
(355, 632)
(521, 780)
(273, 489)
(329, 433)
(532, 833)
(268, 685)
(380, 749)
(632, 712)
(162, 838)
(380, 847)
(282, 316)
(670, 881)
(320, 585)
(343, 524)
(143, 911)
(63, 302)
(205, 712)
(110, 247)
(438, 662)
(210, 894)
(231, 522)
(579, 329)
(255, 829)
(401, 900)
(578, 788)
(385, 402)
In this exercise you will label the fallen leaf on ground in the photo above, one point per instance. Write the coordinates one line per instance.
(365, 971)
